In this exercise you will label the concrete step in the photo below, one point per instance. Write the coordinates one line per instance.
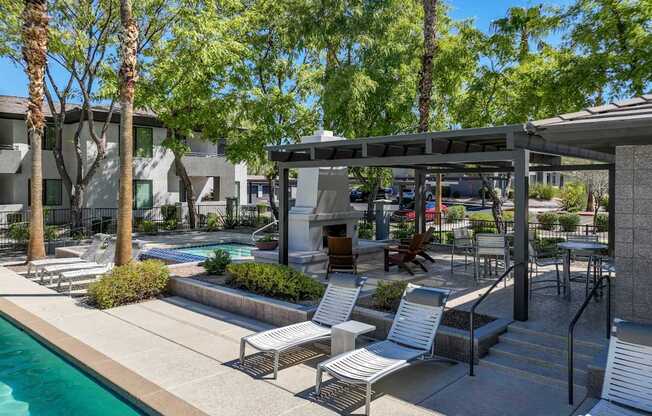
(522, 368)
(516, 328)
(75, 284)
(550, 344)
(539, 356)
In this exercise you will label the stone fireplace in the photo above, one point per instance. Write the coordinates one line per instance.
(322, 205)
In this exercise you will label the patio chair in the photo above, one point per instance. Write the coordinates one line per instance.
(103, 259)
(335, 307)
(627, 386)
(462, 241)
(488, 247)
(591, 259)
(89, 254)
(540, 259)
(404, 255)
(341, 256)
(427, 240)
(410, 338)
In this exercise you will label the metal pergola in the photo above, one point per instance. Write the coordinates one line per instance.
(538, 146)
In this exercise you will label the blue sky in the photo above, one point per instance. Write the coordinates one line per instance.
(14, 82)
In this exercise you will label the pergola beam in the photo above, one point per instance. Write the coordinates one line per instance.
(551, 168)
(540, 145)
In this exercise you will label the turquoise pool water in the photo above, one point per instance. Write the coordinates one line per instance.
(35, 381)
(236, 251)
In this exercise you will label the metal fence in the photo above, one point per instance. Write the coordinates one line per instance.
(61, 224)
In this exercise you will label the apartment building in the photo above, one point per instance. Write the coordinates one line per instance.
(155, 180)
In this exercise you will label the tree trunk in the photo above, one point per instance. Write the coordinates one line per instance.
(272, 203)
(496, 205)
(188, 189)
(590, 200)
(371, 211)
(429, 50)
(76, 201)
(127, 78)
(35, 42)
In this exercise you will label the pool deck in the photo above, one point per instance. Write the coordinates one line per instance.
(180, 358)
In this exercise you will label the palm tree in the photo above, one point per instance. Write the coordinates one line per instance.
(528, 24)
(127, 78)
(35, 43)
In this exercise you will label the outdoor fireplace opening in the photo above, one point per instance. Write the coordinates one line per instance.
(336, 230)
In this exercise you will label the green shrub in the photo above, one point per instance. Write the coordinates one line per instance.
(216, 263)
(171, 224)
(213, 221)
(604, 202)
(602, 222)
(573, 196)
(148, 226)
(366, 231)
(267, 238)
(549, 245)
(548, 220)
(19, 232)
(130, 283)
(404, 230)
(569, 221)
(388, 294)
(482, 222)
(455, 213)
(542, 191)
(169, 213)
(274, 280)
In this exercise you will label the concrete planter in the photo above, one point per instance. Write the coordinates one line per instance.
(451, 342)
(266, 245)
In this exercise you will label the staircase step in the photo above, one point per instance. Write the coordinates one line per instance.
(539, 356)
(560, 338)
(548, 375)
(551, 344)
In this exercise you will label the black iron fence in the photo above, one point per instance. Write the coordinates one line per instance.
(63, 224)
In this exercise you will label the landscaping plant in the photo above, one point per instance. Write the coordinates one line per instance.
(548, 220)
(455, 213)
(217, 262)
(388, 295)
(133, 282)
(573, 196)
(569, 221)
(366, 231)
(404, 230)
(274, 280)
(602, 223)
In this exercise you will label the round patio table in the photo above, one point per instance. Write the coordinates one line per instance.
(569, 247)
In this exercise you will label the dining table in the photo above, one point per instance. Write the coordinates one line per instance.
(585, 246)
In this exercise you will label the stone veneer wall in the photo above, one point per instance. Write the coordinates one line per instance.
(633, 239)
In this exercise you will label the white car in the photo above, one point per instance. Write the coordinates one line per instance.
(409, 194)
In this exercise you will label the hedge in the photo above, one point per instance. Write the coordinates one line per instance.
(274, 280)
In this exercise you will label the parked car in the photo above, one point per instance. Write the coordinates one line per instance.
(408, 213)
(359, 195)
(408, 195)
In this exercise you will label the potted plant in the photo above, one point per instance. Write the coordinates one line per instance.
(267, 242)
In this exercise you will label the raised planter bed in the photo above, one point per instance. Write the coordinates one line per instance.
(451, 342)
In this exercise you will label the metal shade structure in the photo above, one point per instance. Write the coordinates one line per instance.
(591, 134)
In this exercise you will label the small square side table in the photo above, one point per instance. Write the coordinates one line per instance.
(344, 335)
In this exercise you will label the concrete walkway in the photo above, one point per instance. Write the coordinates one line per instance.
(191, 351)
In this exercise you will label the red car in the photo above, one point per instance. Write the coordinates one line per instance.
(410, 215)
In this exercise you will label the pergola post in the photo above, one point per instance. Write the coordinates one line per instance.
(419, 200)
(284, 202)
(521, 210)
(611, 209)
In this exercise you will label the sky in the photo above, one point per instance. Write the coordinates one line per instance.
(14, 82)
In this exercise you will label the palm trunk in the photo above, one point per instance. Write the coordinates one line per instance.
(35, 42)
(128, 77)
(425, 74)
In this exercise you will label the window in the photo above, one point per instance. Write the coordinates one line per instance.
(237, 191)
(143, 195)
(52, 192)
(49, 137)
(221, 147)
(143, 141)
(214, 194)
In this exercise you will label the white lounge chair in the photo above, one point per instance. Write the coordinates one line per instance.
(103, 259)
(89, 254)
(627, 387)
(335, 307)
(410, 338)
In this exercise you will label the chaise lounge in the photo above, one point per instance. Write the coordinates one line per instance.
(335, 307)
(410, 338)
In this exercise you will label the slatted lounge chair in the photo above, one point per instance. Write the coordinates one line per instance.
(335, 307)
(410, 338)
(89, 254)
(627, 387)
(104, 259)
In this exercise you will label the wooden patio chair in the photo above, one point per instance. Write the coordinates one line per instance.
(403, 256)
(427, 240)
(341, 256)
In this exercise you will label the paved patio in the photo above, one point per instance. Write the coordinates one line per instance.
(190, 351)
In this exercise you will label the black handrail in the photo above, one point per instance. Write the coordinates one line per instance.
(475, 305)
(571, 328)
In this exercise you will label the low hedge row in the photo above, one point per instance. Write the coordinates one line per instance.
(130, 283)
(277, 281)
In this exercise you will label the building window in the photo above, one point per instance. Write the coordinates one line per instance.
(143, 141)
(143, 195)
(221, 147)
(52, 192)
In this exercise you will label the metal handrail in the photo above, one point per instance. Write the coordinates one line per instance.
(472, 314)
(571, 328)
(264, 227)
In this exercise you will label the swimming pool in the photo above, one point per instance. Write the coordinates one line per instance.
(235, 250)
(37, 382)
